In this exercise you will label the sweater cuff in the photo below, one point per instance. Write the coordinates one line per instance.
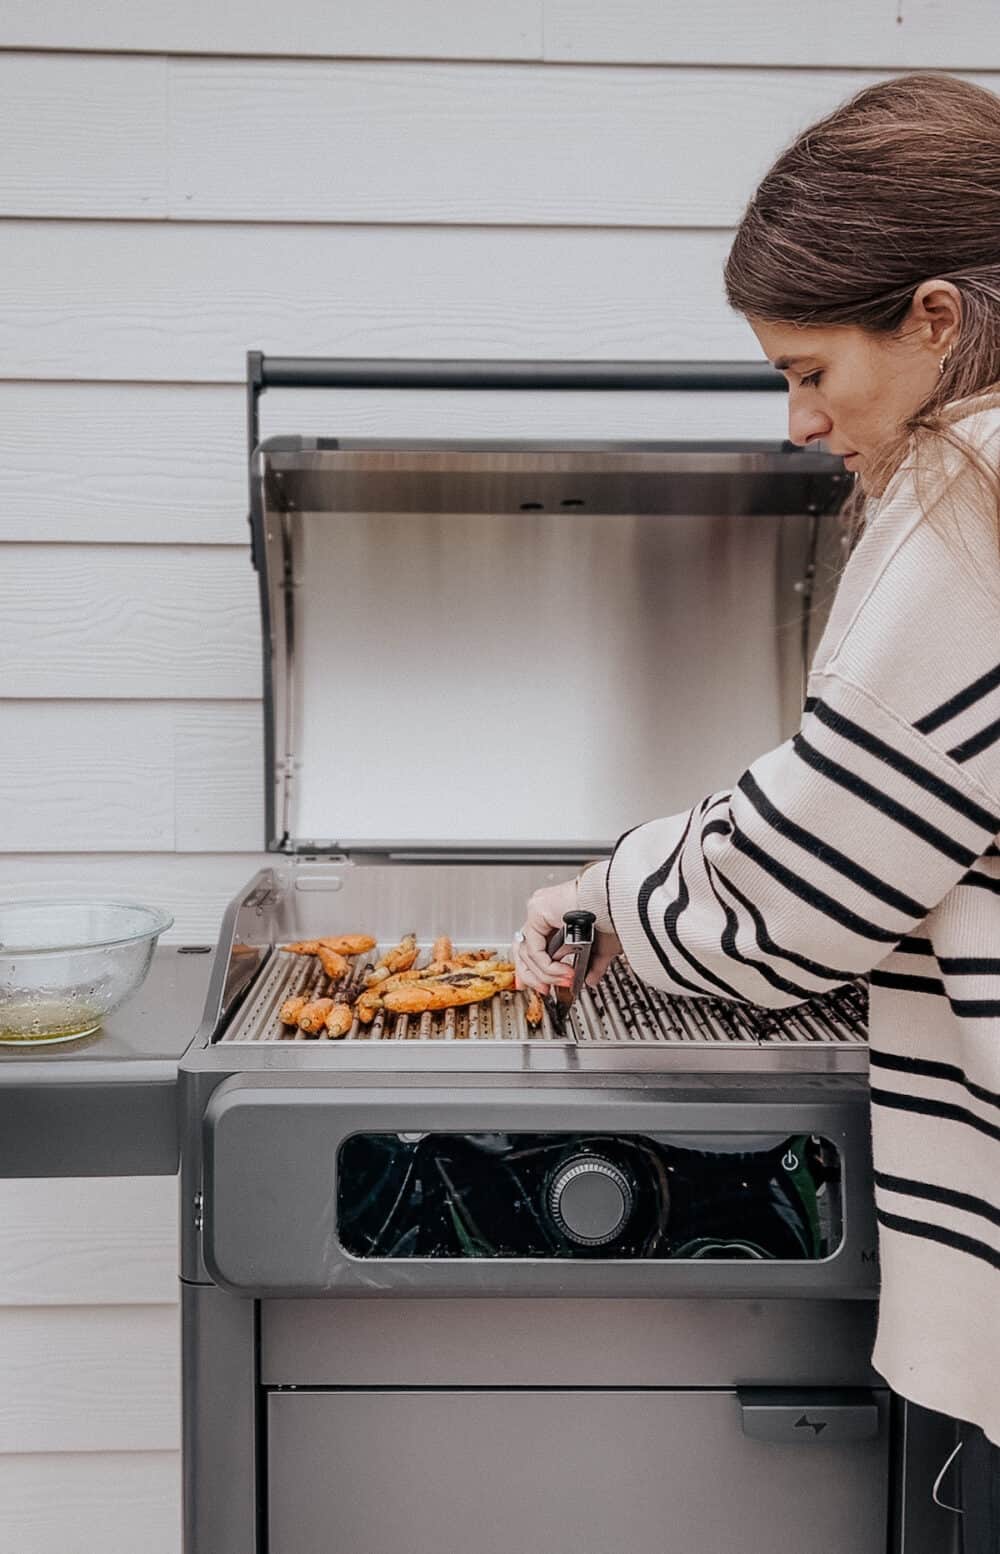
(592, 895)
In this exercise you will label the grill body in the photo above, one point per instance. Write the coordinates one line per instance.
(451, 1285)
(388, 1402)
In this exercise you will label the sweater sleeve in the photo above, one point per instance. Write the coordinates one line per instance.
(833, 847)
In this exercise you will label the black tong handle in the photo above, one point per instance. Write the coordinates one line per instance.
(574, 941)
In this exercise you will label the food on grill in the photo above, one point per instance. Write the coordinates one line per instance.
(367, 1006)
(447, 992)
(339, 944)
(401, 957)
(533, 1010)
(291, 1009)
(442, 949)
(339, 1021)
(333, 963)
(313, 1017)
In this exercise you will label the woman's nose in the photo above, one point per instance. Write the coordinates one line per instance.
(806, 424)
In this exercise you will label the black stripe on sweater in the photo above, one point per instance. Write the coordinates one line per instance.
(649, 885)
(818, 899)
(981, 881)
(674, 911)
(907, 818)
(951, 1238)
(976, 743)
(933, 1194)
(825, 854)
(959, 702)
(730, 947)
(944, 1111)
(929, 1068)
(908, 984)
(966, 1008)
(771, 947)
(944, 791)
(914, 947)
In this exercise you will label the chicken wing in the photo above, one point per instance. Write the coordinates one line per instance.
(442, 949)
(291, 1009)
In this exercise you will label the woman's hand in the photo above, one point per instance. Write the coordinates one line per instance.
(533, 966)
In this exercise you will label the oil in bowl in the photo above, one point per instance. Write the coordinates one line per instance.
(66, 965)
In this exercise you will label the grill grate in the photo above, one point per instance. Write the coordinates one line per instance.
(621, 1010)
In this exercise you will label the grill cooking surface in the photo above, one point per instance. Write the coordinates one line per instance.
(620, 1011)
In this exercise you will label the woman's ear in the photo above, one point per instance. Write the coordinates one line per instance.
(936, 315)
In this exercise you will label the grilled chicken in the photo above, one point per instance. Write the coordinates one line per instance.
(442, 949)
(291, 1009)
(533, 1010)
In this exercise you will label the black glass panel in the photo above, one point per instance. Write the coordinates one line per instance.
(482, 1195)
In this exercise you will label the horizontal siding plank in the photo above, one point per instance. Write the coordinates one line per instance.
(475, 29)
(122, 463)
(82, 775)
(516, 144)
(421, 142)
(731, 32)
(128, 776)
(194, 888)
(88, 1241)
(772, 32)
(97, 621)
(83, 137)
(89, 1378)
(161, 463)
(156, 302)
(91, 1503)
(219, 775)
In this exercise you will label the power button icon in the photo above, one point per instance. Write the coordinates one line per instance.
(790, 1160)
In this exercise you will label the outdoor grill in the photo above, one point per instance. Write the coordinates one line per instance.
(453, 1284)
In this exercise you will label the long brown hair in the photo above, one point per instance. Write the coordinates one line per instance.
(899, 185)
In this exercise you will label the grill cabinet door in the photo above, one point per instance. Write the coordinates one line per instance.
(648, 1472)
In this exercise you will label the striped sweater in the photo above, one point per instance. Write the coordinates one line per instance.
(867, 844)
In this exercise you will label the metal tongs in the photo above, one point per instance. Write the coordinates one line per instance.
(574, 941)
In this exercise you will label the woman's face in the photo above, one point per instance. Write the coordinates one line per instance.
(849, 387)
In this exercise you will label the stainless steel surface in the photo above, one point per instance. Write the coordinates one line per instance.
(411, 598)
(618, 1016)
(106, 1105)
(611, 1472)
(539, 1342)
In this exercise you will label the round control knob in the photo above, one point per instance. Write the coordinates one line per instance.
(590, 1200)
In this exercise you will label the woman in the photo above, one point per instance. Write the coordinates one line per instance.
(868, 266)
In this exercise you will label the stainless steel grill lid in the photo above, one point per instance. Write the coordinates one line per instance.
(520, 649)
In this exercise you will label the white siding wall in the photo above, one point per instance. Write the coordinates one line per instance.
(180, 183)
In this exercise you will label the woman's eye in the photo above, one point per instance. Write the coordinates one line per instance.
(811, 379)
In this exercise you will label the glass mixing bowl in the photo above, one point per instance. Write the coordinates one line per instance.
(64, 965)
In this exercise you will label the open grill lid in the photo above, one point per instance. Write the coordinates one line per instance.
(521, 649)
